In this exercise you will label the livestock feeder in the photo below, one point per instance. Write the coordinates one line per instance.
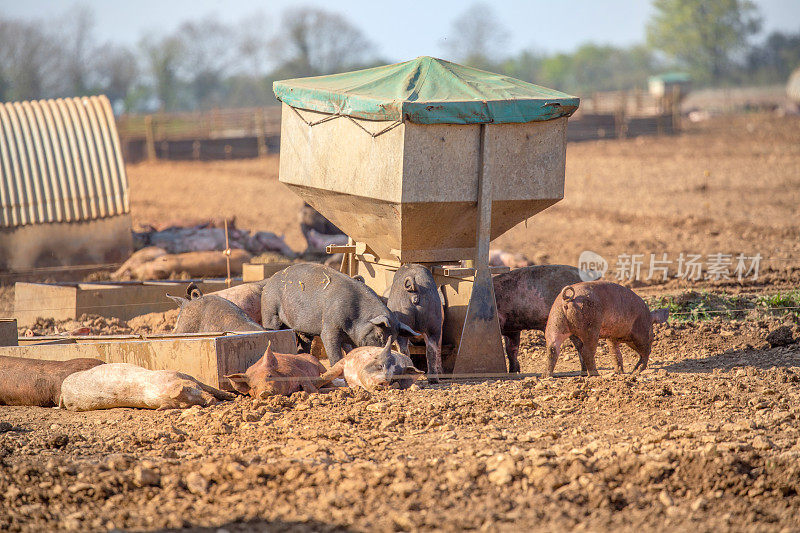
(63, 188)
(426, 161)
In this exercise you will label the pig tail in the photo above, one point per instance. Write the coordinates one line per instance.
(568, 294)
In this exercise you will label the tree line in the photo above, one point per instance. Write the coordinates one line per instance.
(207, 63)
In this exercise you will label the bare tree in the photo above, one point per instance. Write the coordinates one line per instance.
(209, 55)
(28, 57)
(477, 37)
(115, 71)
(162, 58)
(254, 44)
(314, 41)
(78, 49)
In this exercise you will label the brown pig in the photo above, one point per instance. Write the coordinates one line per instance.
(593, 310)
(371, 367)
(35, 382)
(294, 372)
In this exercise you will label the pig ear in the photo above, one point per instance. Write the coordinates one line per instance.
(659, 315)
(177, 299)
(193, 291)
(413, 371)
(409, 284)
(381, 320)
(406, 331)
(388, 348)
(239, 382)
(269, 355)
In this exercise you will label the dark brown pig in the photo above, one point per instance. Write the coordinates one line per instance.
(524, 298)
(593, 310)
(294, 372)
(414, 299)
(35, 382)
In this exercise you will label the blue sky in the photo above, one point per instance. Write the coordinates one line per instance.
(400, 30)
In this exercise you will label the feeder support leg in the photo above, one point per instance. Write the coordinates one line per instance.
(481, 347)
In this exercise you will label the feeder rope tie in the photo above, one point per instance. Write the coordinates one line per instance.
(338, 115)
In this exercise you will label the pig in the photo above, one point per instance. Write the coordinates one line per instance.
(36, 382)
(246, 296)
(198, 264)
(503, 258)
(266, 241)
(524, 297)
(125, 385)
(130, 268)
(295, 372)
(592, 310)
(415, 301)
(211, 314)
(371, 367)
(315, 299)
(318, 242)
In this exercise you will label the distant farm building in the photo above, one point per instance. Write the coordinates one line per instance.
(665, 85)
(63, 187)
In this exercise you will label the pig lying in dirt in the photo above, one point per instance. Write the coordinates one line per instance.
(35, 382)
(125, 385)
(294, 373)
(318, 242)
(316, 300)
(414, 299)
(155, 265)
(211, 314)
(130, 268)
(246, 297)
(524, 298)
(316, 227)
(371, 367)
(600, 309)
(503, 258)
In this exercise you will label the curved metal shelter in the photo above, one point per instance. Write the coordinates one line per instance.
(60, 161)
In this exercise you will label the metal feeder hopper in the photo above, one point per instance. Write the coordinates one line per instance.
(426, 161)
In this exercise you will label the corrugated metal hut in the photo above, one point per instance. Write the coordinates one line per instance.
(63, 187)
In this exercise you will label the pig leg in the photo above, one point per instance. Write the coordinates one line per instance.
(576, 342)
(512, 351)
(643, 349)
(614, 348)
(334, 372)
(433, 356)
(332, 340)
(587, 353)
(402, 346)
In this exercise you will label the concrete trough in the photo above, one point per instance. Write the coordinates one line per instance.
(123, 300)
(205, 356)
(8, 332)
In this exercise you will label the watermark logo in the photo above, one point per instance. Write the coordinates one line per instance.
(688, 267)
(591, 266)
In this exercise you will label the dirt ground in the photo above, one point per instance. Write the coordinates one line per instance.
(705, 439)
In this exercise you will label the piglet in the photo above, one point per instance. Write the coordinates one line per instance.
(294, 372)
(35, 382)
(593, 310)
(126, 385)
(370, 367)
(246, 297)
(210, 313)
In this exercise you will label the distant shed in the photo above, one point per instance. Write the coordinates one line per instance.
(662, 85)
(63, 187)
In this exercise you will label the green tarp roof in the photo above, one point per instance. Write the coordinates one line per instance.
(427, 90)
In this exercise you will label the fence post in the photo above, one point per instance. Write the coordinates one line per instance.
(676, 109)
(621, 113)
(149, 138)
(260, 137)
